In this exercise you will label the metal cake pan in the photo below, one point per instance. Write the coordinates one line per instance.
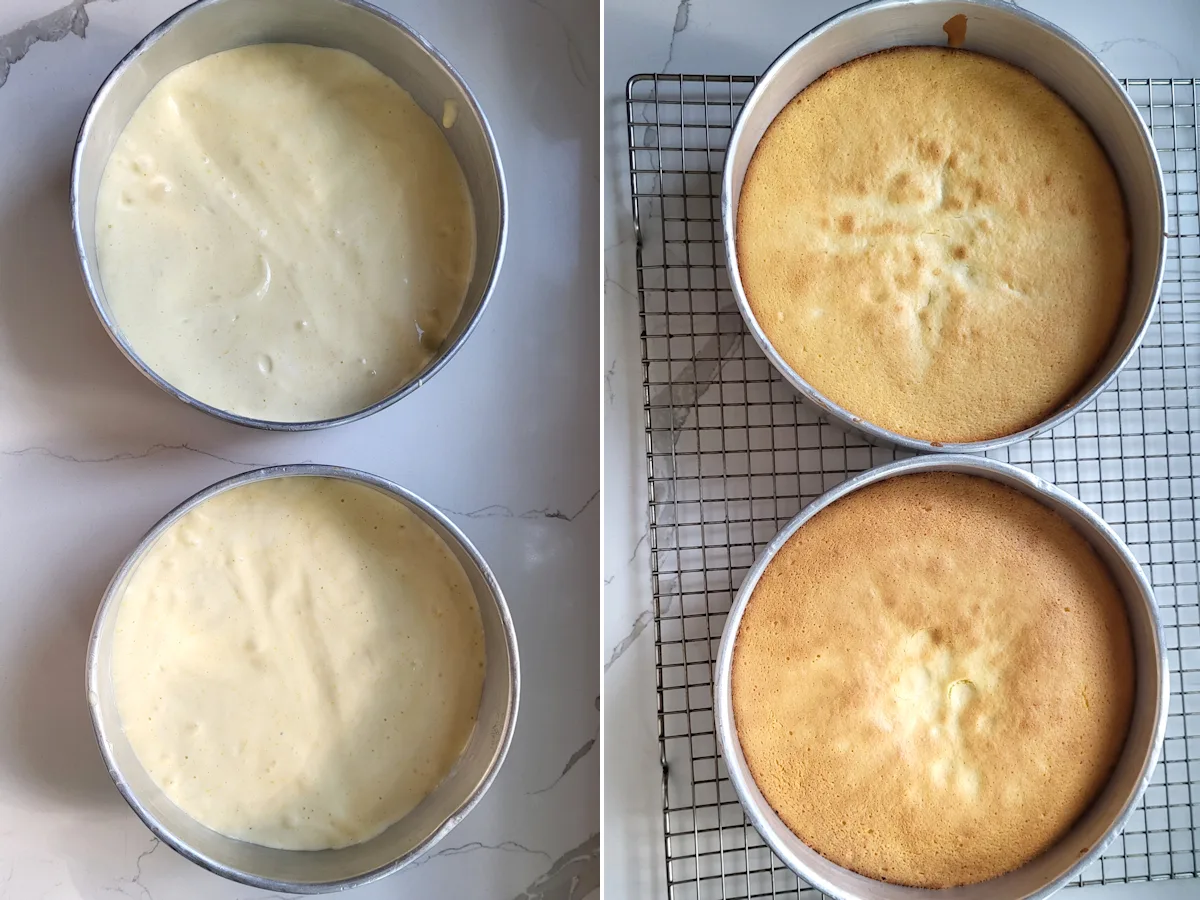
(210, 26)
(1110, 811)
(304, 871)
(1004, 31)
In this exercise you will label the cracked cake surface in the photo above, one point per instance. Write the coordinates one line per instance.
(935, 241)
(933, 680)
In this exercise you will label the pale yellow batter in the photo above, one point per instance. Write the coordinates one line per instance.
(283, 233)
(298, 662)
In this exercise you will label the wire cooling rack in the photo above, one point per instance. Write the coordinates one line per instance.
(732, 455)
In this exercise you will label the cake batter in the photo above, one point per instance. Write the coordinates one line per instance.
(298, 662)
(283, 233)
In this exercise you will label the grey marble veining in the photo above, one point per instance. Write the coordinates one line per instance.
(53, 26)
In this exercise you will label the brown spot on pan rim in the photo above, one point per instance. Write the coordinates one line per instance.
(956, 30)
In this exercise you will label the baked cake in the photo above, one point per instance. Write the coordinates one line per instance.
(933, 680)
(936, 242)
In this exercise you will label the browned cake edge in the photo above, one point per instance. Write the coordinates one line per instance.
(1073, 396)
(1117, 747)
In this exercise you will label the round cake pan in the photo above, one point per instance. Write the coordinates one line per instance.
(1007, 32)
(303, 871)
(1107, 815)
(210, 26)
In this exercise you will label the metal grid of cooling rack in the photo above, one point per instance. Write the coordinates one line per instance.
(732, 455)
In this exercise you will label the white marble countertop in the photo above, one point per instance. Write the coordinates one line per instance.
(1152, 38)
(504, 439)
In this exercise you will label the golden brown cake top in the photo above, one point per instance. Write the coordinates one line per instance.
(935, 241)
(933, 679)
